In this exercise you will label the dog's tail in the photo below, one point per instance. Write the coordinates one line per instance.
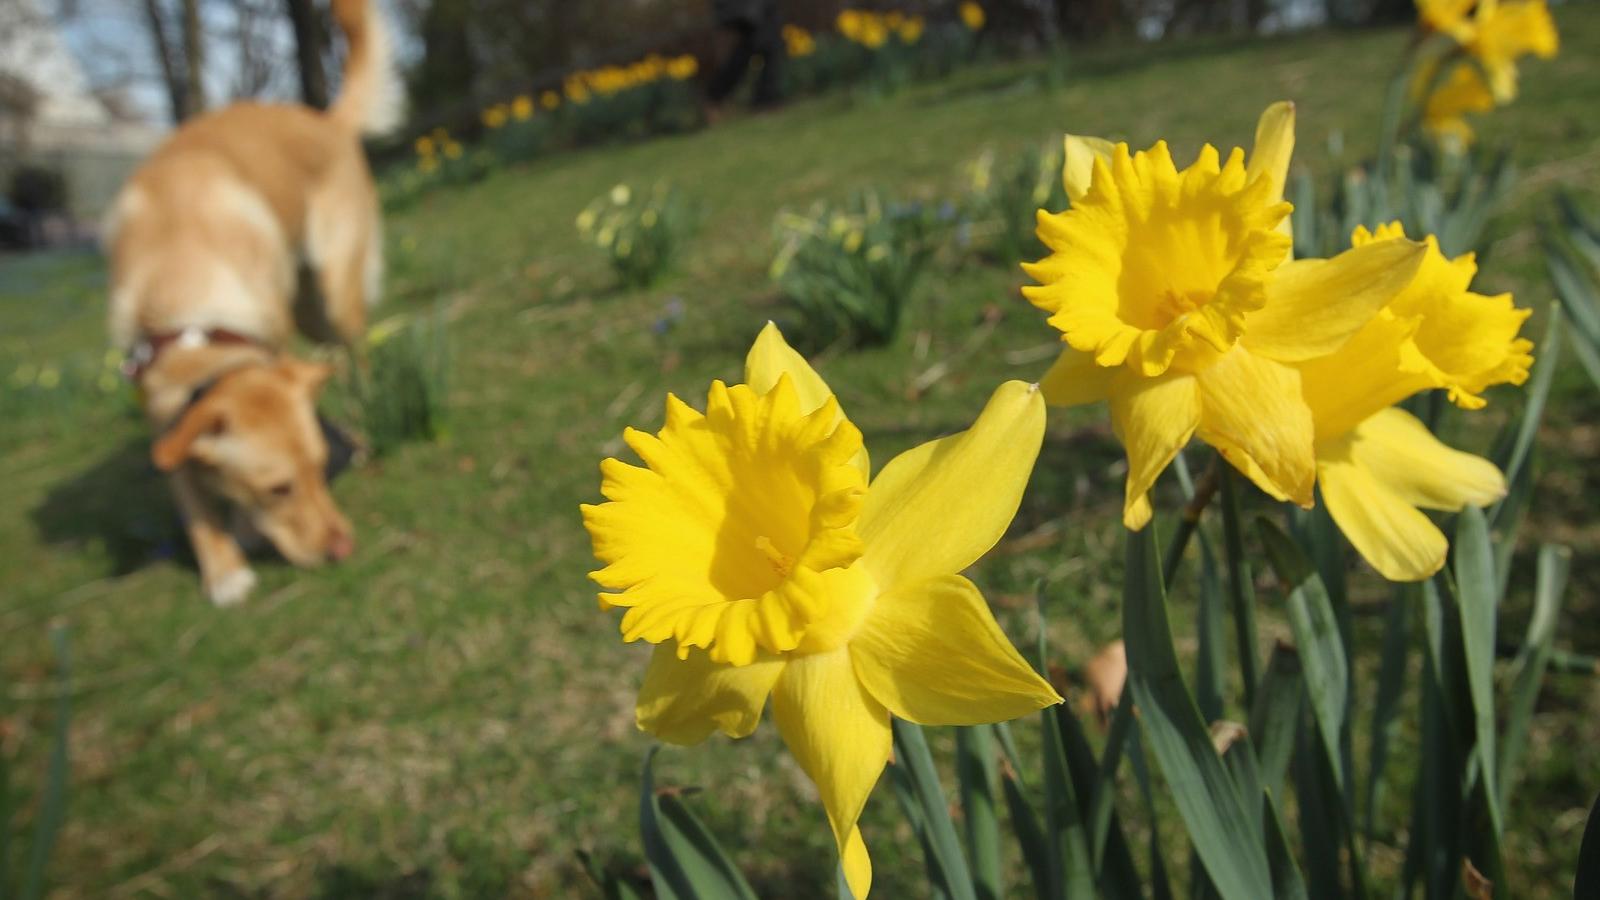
(370, 100)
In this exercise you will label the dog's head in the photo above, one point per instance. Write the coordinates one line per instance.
(254, 439)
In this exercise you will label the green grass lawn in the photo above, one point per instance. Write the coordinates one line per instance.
(448, 713)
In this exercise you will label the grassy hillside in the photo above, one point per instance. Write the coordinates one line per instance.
(448, 713)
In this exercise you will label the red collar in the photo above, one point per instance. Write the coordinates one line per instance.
(150, 347)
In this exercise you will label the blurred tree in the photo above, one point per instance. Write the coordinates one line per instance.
(310, 41)
(194, 58)
(448, 70)
(182, 59)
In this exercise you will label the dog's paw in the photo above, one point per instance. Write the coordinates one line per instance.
(231, 589)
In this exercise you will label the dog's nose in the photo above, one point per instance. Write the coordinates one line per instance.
(341, 545)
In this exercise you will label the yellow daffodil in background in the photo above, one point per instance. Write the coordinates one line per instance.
(1175, 296)
(1376, 464)
(1503, 32)
(910, 29)
(798, 42)
(452, 150)
(1445, 107)
(848, 23)
(1496, 34)
(682, 68)
(972, 16)
(1445, 16)
(424, 146)
(522, 108)
(550, 100)
(575, 91)
(495, 116)
(752, 551)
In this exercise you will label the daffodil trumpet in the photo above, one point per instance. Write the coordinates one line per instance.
(754, 551)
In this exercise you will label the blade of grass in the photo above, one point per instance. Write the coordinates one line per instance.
(1529, 668)
(1202, 788)
(1316, 634)
(975, 771)
(1030, 837)
(1475, 593)
(1111, 862)
(1276, 716)
(1392, 671)
(914, 758)
(686, 861)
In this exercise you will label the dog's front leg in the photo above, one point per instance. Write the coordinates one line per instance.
(224, 571)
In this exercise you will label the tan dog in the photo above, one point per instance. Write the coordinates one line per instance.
(208, 243)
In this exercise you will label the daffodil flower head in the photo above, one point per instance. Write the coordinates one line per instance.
(1503, 31)
(752, 551)
(1152, 263)
(1177, 301)
(1377, 465)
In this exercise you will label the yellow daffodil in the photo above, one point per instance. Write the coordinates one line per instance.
(848, 22)
(1460, 92)
(550, 100)
(452, 150)
(1496, 35)
(1175, 296)
(522, 108)
(424, 146)
(682, 68)
(1446, 16)
(495, 116)
(910, 29)
(752, 551)
(1503, 32)
(798, 42)
(1376, 464)
(972, 15)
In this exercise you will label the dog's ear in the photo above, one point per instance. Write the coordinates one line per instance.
(312, 375)
(202, 421)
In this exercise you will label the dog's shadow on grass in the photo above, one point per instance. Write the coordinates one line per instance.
(120, 503)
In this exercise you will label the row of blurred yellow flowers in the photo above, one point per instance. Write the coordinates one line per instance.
(867, 28)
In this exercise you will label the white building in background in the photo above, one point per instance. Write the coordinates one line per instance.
(50, 114)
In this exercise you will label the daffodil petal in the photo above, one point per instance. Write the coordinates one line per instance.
(1075, 378)
(684, 700)
(1405, 457)
(1274, 147)
(1154, 418)
(1315, 305)
(1252, 412)
(840, 736)
(1078, 173)
(933, 654)
(936, 508)
(770, 357)
(1389, 533)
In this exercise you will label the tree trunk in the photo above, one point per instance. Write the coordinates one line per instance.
(309, 42)
(177, 97)
(194, 59)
